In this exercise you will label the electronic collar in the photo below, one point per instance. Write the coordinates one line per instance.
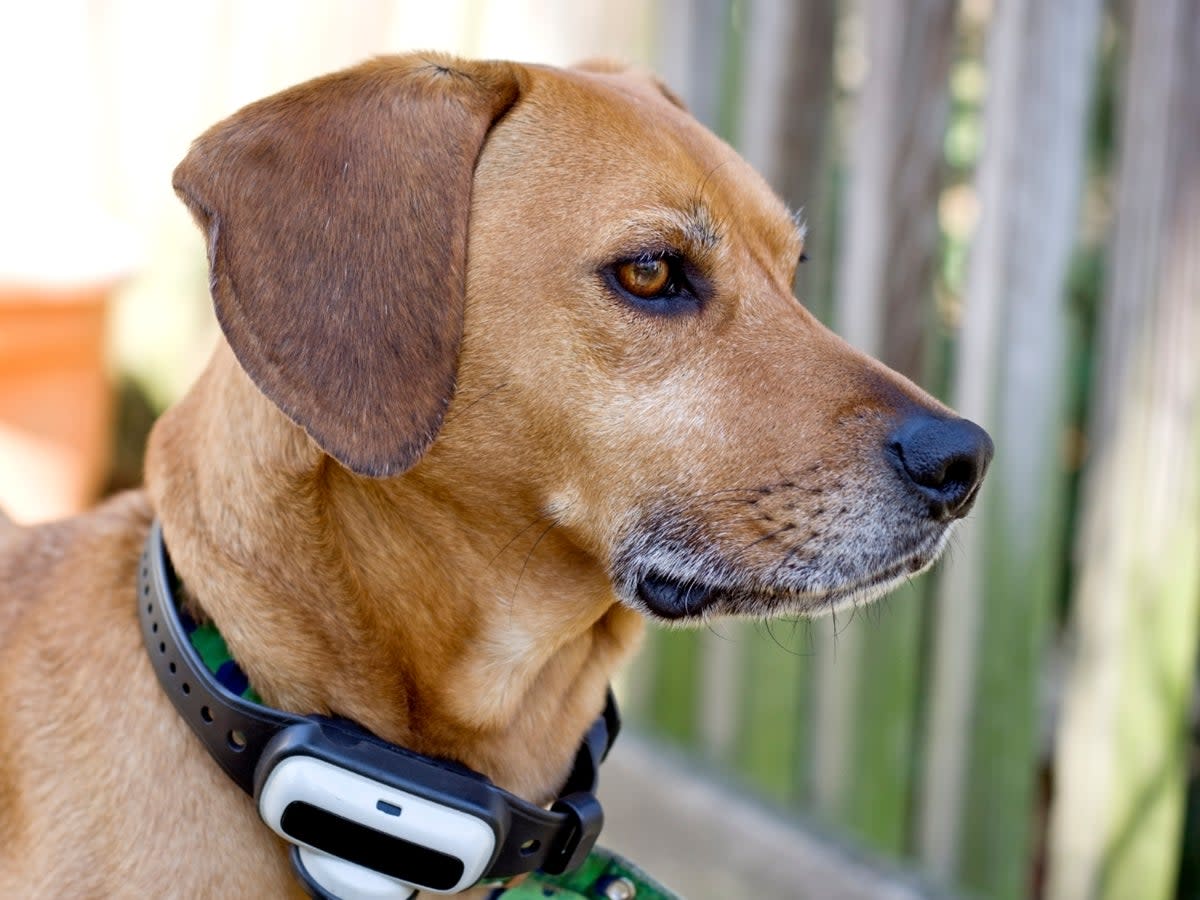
(366, 818)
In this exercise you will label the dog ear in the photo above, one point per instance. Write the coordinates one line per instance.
(601, 65)
(336, 218)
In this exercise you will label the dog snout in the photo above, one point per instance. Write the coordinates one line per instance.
(944, 460)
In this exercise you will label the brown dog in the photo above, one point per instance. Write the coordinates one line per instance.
(512, 362)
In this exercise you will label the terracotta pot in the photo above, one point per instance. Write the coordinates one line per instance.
(55, 399)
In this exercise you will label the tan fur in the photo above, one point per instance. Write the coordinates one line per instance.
(475, 602)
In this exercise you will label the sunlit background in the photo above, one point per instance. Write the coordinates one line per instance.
(1003, 202)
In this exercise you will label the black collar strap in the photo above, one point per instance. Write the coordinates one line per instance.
(236, 731)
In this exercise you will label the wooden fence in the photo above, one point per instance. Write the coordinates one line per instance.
(1005, 205)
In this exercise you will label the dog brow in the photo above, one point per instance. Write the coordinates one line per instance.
(699, 228)
(800, 224)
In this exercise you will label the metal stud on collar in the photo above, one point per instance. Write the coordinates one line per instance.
(620, 889)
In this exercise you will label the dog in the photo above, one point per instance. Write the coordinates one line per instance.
(511, 364)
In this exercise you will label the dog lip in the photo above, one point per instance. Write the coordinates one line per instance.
(702, 582)
(670, 598)
(886, 579)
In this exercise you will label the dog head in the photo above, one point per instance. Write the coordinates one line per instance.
(547, 293)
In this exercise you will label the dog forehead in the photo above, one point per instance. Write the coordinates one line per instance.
(611, 141)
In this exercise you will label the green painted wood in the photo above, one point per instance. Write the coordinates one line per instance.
(878, 797)
(1019, 591)
(634, 684)
(977, 809)
(1152, 737)
(675, 693)
(773, 749)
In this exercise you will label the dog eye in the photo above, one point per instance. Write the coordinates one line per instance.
(654, 283)
(645, 278)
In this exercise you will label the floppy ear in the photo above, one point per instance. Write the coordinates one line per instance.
(336, 217)
(601, 65)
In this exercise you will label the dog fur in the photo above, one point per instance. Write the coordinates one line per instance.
(424, 478)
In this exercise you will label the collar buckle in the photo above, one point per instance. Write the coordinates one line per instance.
(587, 818)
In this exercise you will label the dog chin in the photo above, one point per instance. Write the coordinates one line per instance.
(689, 591)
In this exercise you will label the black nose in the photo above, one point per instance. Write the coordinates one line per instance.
(944, 459)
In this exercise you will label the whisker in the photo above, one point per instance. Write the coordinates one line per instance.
(788, 556)
(787, 650)
(724, 502)
(699, 198)
(541, 517)
(853, 613)
(708, 624)
(768, 536)
(724, 494)
(517, 587)
(458, 412)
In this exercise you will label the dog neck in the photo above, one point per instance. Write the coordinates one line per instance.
(476, 634)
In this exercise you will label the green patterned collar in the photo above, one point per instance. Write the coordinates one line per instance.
(604, 875)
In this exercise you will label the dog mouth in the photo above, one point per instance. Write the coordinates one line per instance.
(688, 585)
(673, 599)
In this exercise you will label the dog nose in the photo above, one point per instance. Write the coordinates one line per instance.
(944, 459)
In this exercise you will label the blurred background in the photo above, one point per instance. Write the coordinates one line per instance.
(1004, 204)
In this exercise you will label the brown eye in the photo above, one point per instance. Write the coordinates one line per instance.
(644, 278)
(658, 283)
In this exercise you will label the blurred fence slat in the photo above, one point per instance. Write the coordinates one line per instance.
(692, 55)
(675, 695)
(784, 127)
(895, 154)
(981, 740)
(786, 93)
(864, 730)
(773, 748)
(1122, 747)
